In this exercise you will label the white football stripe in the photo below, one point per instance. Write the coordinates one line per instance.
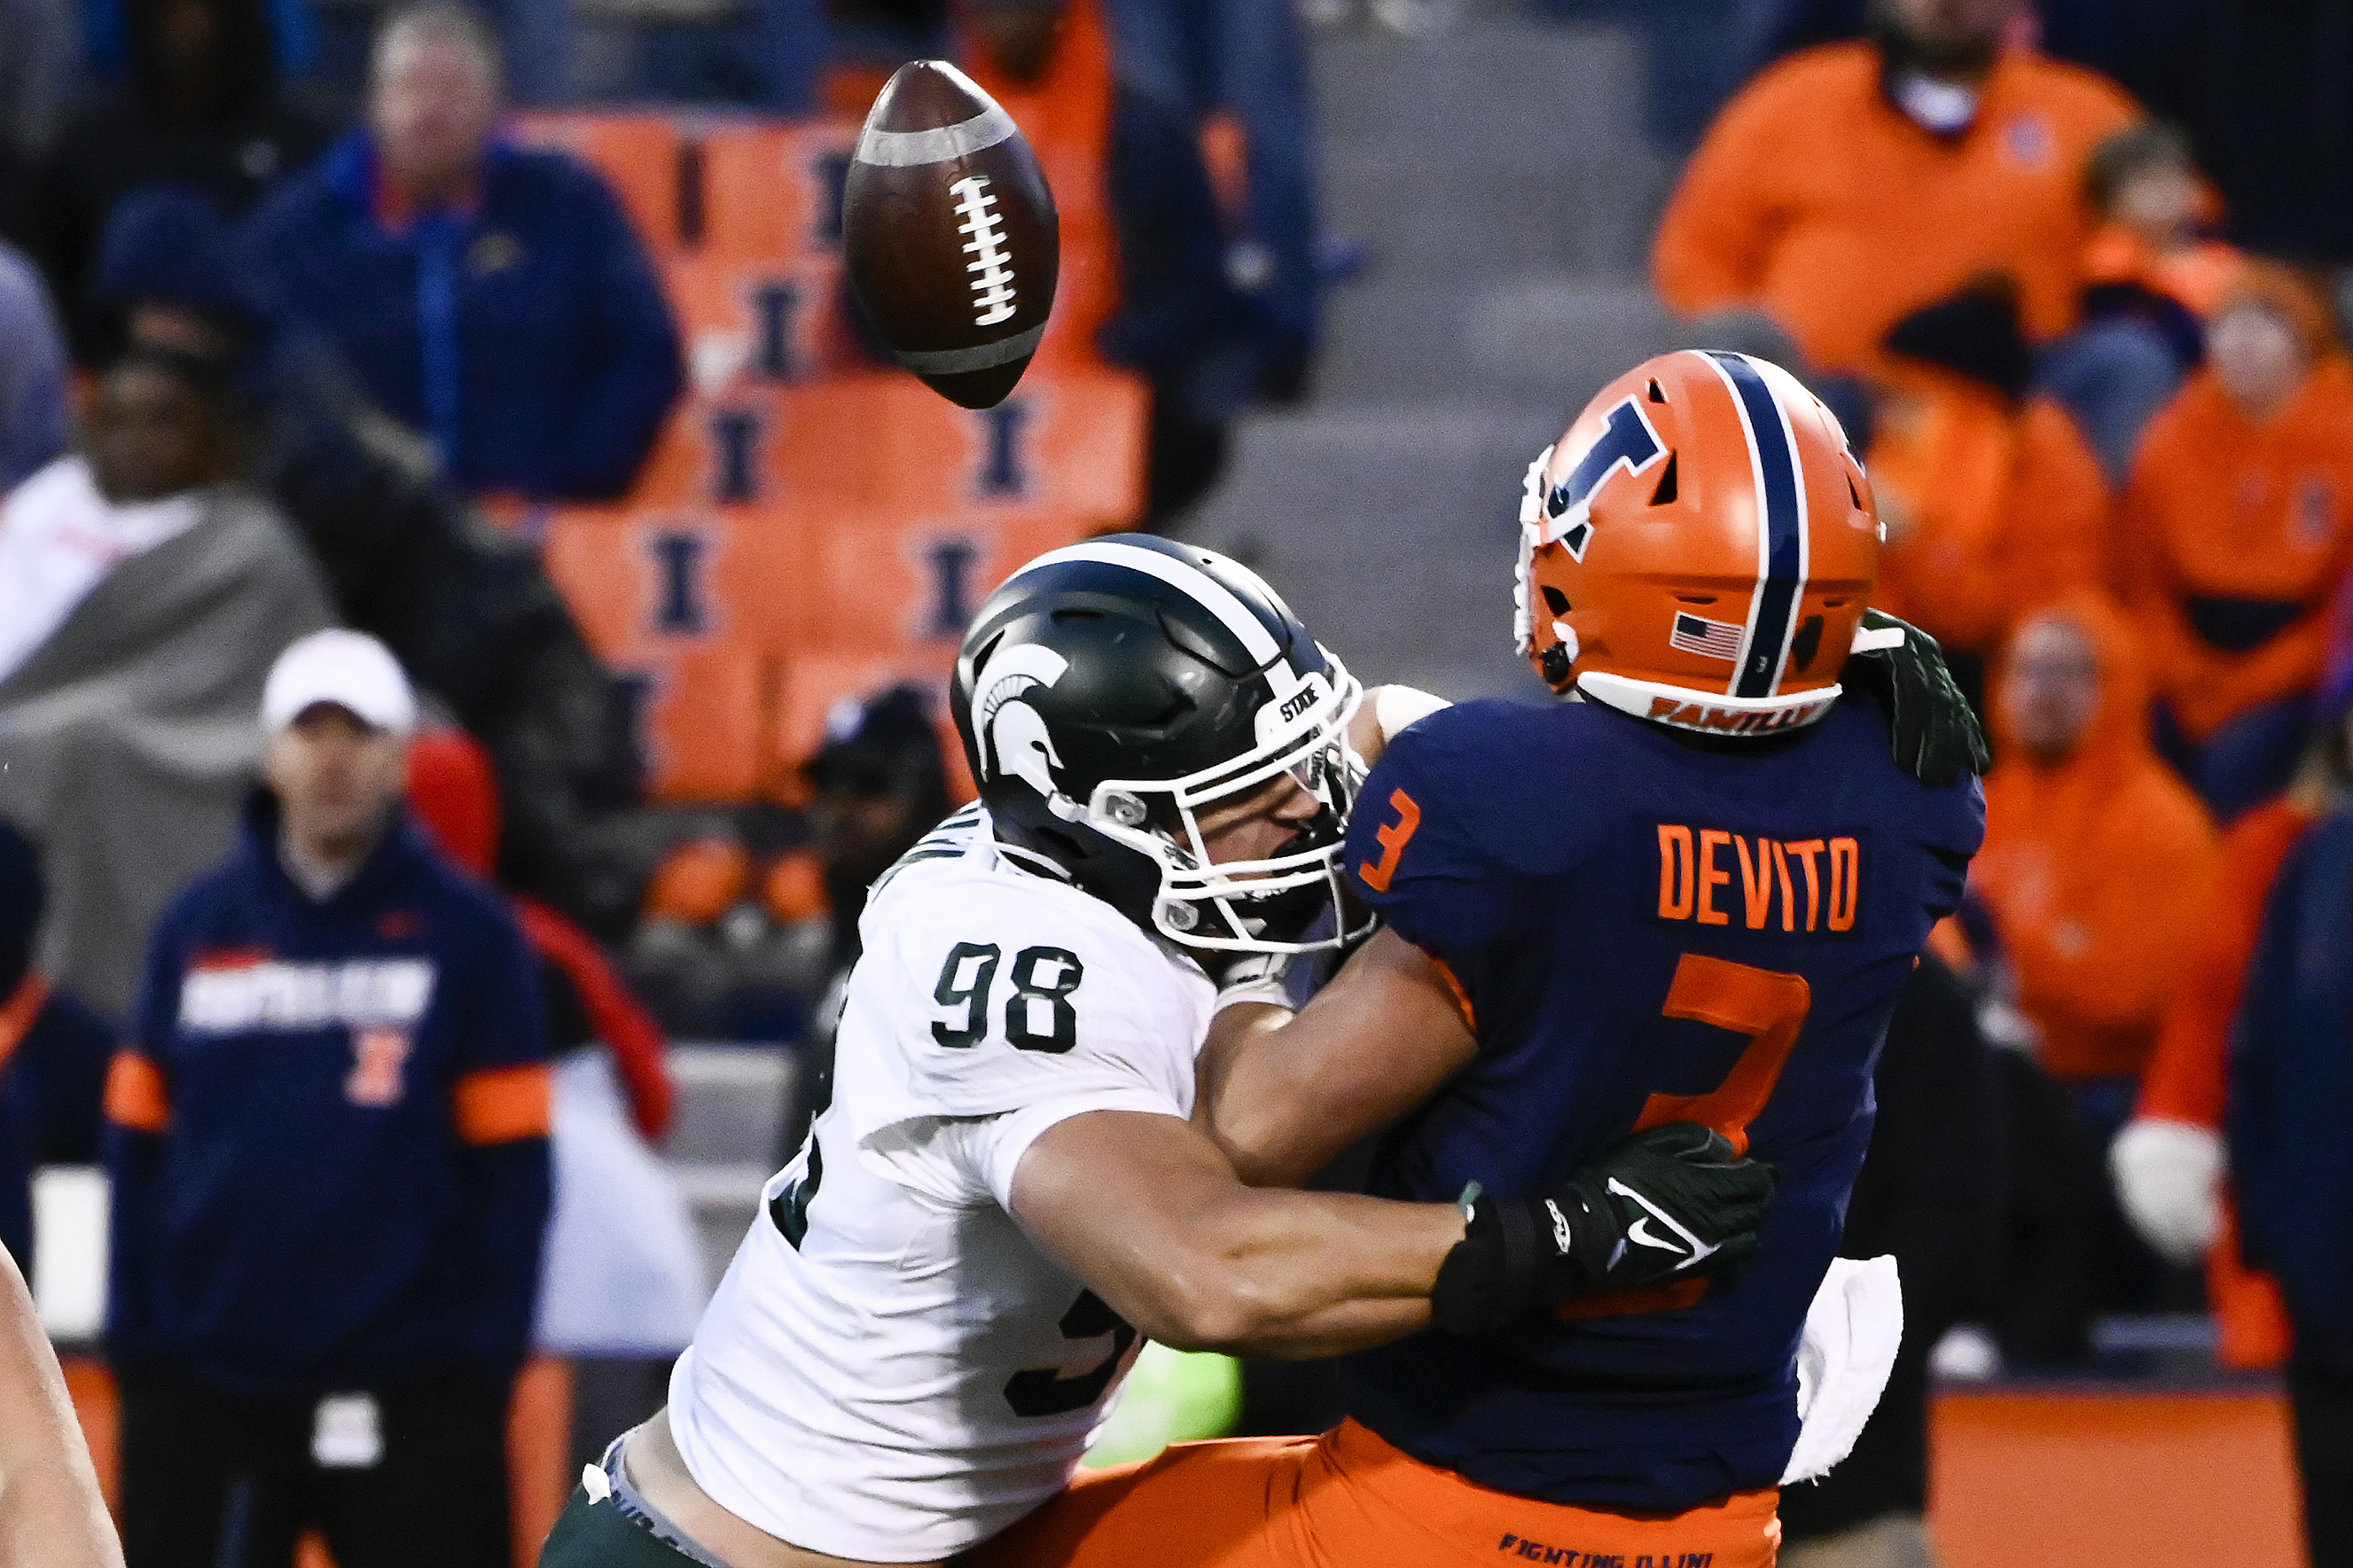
(986, 356)
(1206, 590)
(910, 149)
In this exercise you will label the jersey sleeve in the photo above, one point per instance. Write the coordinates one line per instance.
(992, 1147)
(1029, 1005)
(1430, 848)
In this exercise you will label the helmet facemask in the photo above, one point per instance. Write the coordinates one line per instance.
(1251, 906)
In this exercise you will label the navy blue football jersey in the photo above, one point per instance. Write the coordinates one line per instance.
(1644, 927)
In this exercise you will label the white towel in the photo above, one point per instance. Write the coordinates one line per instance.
(1852, 1332)
(624, 1271)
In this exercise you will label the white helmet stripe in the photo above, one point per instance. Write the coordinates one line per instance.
(1782, 558)
(1183, 575)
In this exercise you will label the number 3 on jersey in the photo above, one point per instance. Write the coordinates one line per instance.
(1039, 1016)
(1765, 1005)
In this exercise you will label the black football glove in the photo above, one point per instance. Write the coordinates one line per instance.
(1938, 739)
(1668, 1204)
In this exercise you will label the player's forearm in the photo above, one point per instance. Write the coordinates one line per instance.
(1282, 1097)
(51, 1515)
(1300, 1274)
(1145, 1210)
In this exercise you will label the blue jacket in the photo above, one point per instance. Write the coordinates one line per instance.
(328, 1133)
(53, 1052)
(528, 337)
(2291, 1093)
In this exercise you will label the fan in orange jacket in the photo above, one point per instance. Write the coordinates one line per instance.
(2239, 524)
(2096, 860)
(1823, 196)
(1992, 499)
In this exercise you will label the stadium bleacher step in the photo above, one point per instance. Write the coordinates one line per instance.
(731, 1102)
(1508, 216)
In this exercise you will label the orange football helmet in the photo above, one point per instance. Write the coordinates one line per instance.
(1698, 549)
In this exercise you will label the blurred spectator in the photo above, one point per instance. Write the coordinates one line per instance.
(33, 422)
(880, 786)
(764, 53)
(329, 1156)
(1991, 497)
(2261, 88)
(2167, 1161)
(868, 39)
(53, 1054)
(1219, 299)
(2096, 860)
(2237, 527)
(733, 925)
(496, 299)
(147, 591)
(623, 1283)
(2155, 213)
(469, 610)
(201, 104)
(2291, 1092)
(37, 69)
(1930, 1193)
(2152, 278)
(1851, 184)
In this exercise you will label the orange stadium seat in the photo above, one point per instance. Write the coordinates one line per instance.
(743, 443)
(886, 580)
(637, 152)
(772, 190)
(1070, 443)
(690, 604)
(759, 321)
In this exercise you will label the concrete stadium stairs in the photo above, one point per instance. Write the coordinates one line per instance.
(1502, 177)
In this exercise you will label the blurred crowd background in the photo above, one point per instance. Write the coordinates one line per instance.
(517, 340)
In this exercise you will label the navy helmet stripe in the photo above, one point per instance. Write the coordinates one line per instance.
(1782, 585)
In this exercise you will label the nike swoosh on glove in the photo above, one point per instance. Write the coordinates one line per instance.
(1674, 1203)
(1937, 736)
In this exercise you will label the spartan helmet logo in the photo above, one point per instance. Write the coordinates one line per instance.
(1013, 738)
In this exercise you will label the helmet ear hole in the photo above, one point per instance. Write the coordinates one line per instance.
(1658, 394)
(1668, 487)
(1853, 494)
(1554, 600)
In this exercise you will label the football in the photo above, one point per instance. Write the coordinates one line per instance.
(949, 232)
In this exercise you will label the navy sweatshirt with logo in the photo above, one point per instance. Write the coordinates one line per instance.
(328, 1134)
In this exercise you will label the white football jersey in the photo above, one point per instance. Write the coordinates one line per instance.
(890, 1370)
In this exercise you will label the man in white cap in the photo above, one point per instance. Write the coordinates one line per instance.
(328, 1139)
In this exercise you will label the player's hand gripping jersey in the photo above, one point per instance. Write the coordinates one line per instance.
(890, 1370)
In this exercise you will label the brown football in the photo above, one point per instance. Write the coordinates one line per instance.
(950, 234)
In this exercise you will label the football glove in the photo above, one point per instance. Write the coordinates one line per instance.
(1262, 978)
(1672, 1204)
(1938, 739)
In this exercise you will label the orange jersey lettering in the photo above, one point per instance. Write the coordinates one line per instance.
(1691, 869)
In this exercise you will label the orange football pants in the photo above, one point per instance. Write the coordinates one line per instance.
(1348, 1500)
